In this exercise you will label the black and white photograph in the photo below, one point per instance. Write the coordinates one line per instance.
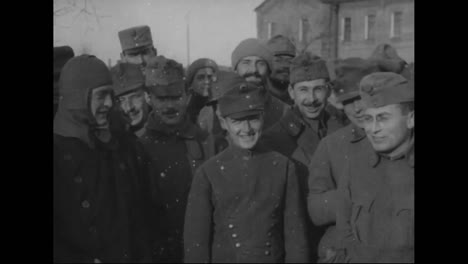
(233, 131)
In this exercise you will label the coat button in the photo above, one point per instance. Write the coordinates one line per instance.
(267, 252)
(269, 234)
(268, 244)
(231, 226)
(78, 179)
(85, 204)
(234, 235)
(238, 245)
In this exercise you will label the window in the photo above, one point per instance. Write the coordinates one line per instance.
(395, 24)
(271, 29)
(369, 30)
(346, 29)
(303, 29)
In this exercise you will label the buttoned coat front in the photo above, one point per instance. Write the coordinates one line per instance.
(244, 206)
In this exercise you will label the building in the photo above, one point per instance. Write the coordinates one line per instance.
(340, 28)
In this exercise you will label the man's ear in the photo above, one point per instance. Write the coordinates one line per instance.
(291, 91)
(410, 120)
(222, 120)
(147, 98)
(122, 56)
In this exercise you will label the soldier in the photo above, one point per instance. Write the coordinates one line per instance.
(97, 217)
(137, 48)
(244, 204)
(201, 75)
(175, 147)
(375, 213)
(129, 88)
(298, 132)
(283, 51)
(253, 61)
(137, 45)
(328, 162)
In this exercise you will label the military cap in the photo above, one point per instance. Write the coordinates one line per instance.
(281, 45)
(242, 98)
(79, 75)
(349, 73)
(164, 76)
(127, 77)
(251, 47)
(135, 38)
(307, 67)
(387, 59)
(384, 88)
(199, 64)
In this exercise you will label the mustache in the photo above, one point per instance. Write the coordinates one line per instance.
(103, 109)
(248, 133)
(132, 111)
(313, 104)
(252, 74)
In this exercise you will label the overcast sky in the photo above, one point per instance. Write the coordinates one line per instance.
(216, 26)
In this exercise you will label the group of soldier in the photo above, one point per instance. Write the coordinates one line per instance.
(273, 161)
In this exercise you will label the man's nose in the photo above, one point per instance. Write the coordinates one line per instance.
(206, 91)
(357, 106)
(376, 127)
(108, 101)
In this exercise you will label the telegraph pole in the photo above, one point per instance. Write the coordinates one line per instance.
(187, 18)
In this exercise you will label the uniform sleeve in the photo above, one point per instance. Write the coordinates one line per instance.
(295, 233)
(198, 221)
(344, 235)
(321, 200)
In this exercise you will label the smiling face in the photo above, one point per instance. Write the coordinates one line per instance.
(388, 127)
(244, 132)
(100, 104)
(310, 97)
(253, 69)
(281, 64)
(134, 107)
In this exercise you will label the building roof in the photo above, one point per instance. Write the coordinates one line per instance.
(338, 1)
(261, 5)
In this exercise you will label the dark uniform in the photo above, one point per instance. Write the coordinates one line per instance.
(174, 153)
(328, 163)
(97, 214)
(296, 138)
(244, 205)
(375, 213)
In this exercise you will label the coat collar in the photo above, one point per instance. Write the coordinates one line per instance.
(356, 133)
(294, 123)
(375, 158)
